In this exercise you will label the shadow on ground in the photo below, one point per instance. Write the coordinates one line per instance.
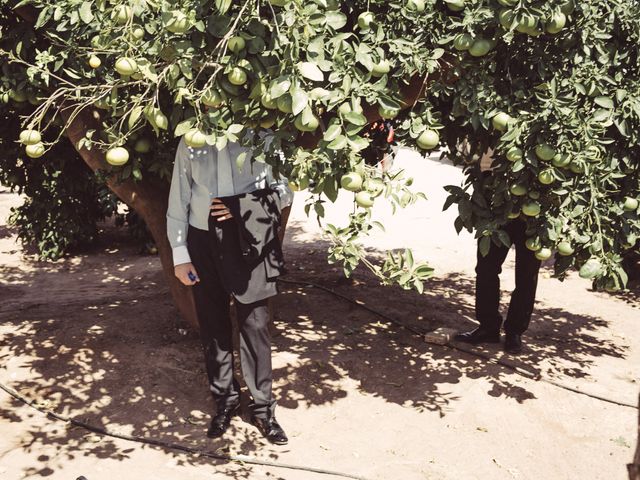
(101, 340)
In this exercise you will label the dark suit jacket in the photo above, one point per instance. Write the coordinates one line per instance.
(249, 255)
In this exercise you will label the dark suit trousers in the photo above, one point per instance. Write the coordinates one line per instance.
(213, 305)
(523, 297)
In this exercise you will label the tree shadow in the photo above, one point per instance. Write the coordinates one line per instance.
(96, 336)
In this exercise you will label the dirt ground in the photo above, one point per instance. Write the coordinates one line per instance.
(95, 336)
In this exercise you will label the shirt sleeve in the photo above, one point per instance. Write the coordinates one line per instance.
(178, 209)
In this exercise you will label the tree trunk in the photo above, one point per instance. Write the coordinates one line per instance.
(634, 468)
(148, 198)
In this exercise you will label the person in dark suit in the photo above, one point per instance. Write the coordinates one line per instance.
(223, 221)
(487, 294)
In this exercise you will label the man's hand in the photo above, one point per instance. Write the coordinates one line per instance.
(183, 270)
(220, 210)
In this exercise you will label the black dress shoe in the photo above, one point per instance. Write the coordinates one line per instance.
(271, 429)
(479, 335)
(513, 343)
(220, 422)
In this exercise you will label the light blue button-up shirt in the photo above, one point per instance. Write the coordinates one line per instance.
(195, 181)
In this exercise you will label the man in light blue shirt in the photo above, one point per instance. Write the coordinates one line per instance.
(223, 220)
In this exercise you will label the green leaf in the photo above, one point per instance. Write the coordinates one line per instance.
(332, 132)
(279, 86)
(299, 100)
(223, 5)
(358, 144)
(184, 126)
(484, 246)
(604, 102)
(355, 118)
(338, 143)
(85, 12)
(336, 20)
(134, 116)
(235, 128)
(437, 53)
(311, 71)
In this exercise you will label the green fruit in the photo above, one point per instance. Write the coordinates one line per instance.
(35, 150)
(531, 209)
(388, 113)
(364, 199)
(142, 145)
(415, 5)
(514, 154)
(630, 204)
(351, 181)
(212, 98)
(480, 47)
(591, 269)
(544, 254)
(138, 33)
(556, 23)
(463, 42)
(533, 244)
(513, 214)
(545, 152)
(546, 177)
(565, 249)
(94, 62)
(381, 68)
(455, 5)
(268, 121)
(501, 121)
(577, 167)
(237, 76)
(506, 17)
(535, 195)
(375, 187)
(284, 103)
(294, 187)
(567, 7)
(161, 120)
(561, 160)
(365, 19)
(236, 44)
(177, 22)
(428, 140)
(117, 156)
(17, 96)
(30, 137)
(122, 14)
(527, 24)
(309, 127)
(268, 102)
(126, 66)
(518, 190)
(194, 138)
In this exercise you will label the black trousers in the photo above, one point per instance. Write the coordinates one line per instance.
(523, 297)
(213, 310)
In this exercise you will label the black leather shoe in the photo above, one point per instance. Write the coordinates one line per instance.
(513, 343)
(271, 429)
(220, 422)
(479, 335)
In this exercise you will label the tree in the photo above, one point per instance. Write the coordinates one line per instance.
(549, 86)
